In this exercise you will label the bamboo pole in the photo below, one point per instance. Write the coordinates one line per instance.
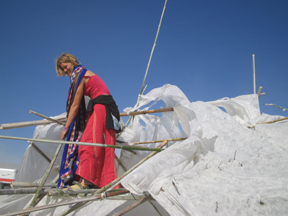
(124, 168)
(48, 118)
(81, 143)
(45, 121)
(152, 51)
(34, 200)
(40, 152)
(277, 120)
(30, 184)
(134, 205)
(22, 191)
(147, 112)
(254, 74)
(27, 124)
(54, 205)
(73, 208)
(47, 190)
(269, 122)
(60, 192)
(131, 169)
(282, 108)
(120, 163)
(156, 141)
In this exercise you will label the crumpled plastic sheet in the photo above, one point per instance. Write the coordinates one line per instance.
(222, 167)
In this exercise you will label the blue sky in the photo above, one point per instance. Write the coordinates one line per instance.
(204, 47)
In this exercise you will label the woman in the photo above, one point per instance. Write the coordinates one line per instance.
(95, 166)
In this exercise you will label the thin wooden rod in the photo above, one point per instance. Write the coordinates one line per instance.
(81, 143)
(27, 124)
(73, 208)
(254, 74)
(134, 205)
(40, 152)
(277, 120)
(157, 141)
(120, 163)
(22, 191)
(43, 181)
(61, 192)
(269, 122)
(147, 111)
(124, 168)
(63, 120)
(152, 51)
(48, 118)
(30, 184)
(54, 205)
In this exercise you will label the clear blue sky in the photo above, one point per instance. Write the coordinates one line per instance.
(204, 47)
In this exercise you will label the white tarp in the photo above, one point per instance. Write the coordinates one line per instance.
(222, 167)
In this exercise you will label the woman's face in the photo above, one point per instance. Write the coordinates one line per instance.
(67, 67)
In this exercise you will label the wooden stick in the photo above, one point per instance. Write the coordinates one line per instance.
(49, 191)
(152, 51)
(134, 205)
(282, 108)
(60, 192)
(54, 205)
(30, 184)
(131, 169)
(156, 141)
(22, 191)
(40, 152)
(120, 163)
(147, 111)
(73, 208)
(63, 120)
(81, 143)
(48, 118)
(124, 168)
(34, 200)
(277, 120)
(269, 122)
(27, 124)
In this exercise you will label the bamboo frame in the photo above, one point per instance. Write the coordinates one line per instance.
(54, 205)
(124, 168)
(83, 201)
(81, 143)
(134, 205)
(73, 208)
(62, 120)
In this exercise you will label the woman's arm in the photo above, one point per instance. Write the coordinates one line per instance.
(74, 107)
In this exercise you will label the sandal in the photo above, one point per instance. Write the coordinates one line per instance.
(76, 186)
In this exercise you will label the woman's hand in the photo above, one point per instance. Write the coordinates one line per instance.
(64, 132)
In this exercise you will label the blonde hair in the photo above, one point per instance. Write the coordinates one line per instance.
(64, 58)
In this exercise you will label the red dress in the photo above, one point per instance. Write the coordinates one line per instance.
(96, 164)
